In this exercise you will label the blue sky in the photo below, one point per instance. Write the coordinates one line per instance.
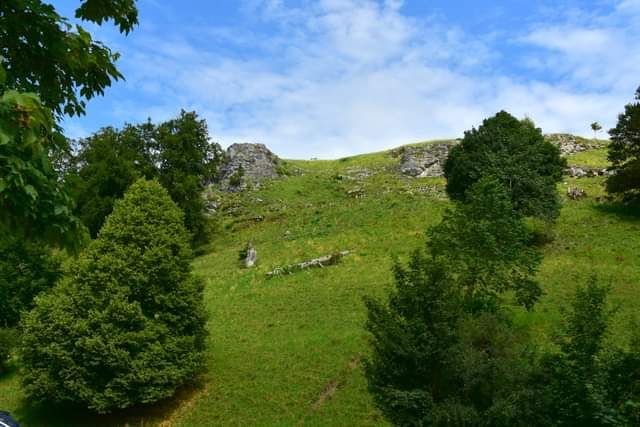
(329, 78)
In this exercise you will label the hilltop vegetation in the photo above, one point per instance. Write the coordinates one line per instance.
(289, 349)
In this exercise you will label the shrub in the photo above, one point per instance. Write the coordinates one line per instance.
(515, 152)
(26, 269)
(127, 325)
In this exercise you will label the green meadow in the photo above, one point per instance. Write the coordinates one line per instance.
(288, 350)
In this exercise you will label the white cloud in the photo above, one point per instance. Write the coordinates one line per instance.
(341, 77)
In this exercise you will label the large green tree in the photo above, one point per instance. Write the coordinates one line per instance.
(127, 325)
(515, 152)
(176, 152)
(486, 243)
(186, 160)
(46, 65)
(624, 152)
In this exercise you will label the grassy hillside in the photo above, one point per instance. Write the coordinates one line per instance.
(288, 350)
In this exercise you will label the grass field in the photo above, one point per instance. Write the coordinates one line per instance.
(288, 350)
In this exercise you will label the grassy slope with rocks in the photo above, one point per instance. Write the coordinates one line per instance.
(288, 350)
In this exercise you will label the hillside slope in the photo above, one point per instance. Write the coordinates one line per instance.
(288, 350)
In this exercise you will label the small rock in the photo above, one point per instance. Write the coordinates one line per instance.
(576, 193)
(251, 257)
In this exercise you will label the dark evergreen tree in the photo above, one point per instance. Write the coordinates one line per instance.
(127, 325)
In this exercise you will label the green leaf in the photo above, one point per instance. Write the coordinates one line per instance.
(31, 191)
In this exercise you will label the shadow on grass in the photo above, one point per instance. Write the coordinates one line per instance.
(67, 415)
(626, 211)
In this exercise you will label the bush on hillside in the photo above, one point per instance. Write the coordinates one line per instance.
(128, 324)
(515, 152)
(26, 269)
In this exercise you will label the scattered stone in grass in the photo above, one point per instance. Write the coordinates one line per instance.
(586, 172)
(320, 262)
(575, 193)
(248, 255)
(356, 193)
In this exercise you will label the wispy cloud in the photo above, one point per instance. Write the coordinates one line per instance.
(338, 77)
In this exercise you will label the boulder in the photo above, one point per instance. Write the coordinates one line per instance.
(244, 163)
(251, 257)
(424, 161)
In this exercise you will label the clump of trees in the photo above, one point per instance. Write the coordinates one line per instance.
(445, 350)
(177, 153)
(624, 152)
(127, 324)
(514, 152)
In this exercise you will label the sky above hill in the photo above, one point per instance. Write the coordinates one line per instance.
(330, 78)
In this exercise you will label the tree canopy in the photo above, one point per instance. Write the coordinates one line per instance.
(516, 153)
(127, 324)
(624, 152)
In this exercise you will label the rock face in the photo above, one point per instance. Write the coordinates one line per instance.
(420, 162)
(247, 163)
(567, 143)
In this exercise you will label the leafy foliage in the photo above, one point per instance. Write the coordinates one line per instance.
(110, 161)
(433, 364)
(43, 53)
(178, 153)
(33, 202)
(624, 152)
(486, 244)
(26, 269)
(516, 153)
(586, 383)
(186, 161)
(127, 325)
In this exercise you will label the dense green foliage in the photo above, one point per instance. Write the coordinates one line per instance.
(8, 340)
(108, 162)
(26, 269)
(127, 324)
(444, 354)
(186, 161)
(624, 152)
(515, 152)
(178, 153)
(33, 202)
(44, 54)
(487, 246)
(589, 382)
(46, 65)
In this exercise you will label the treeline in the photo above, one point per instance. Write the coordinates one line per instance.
(178, 153)
(446, 350)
